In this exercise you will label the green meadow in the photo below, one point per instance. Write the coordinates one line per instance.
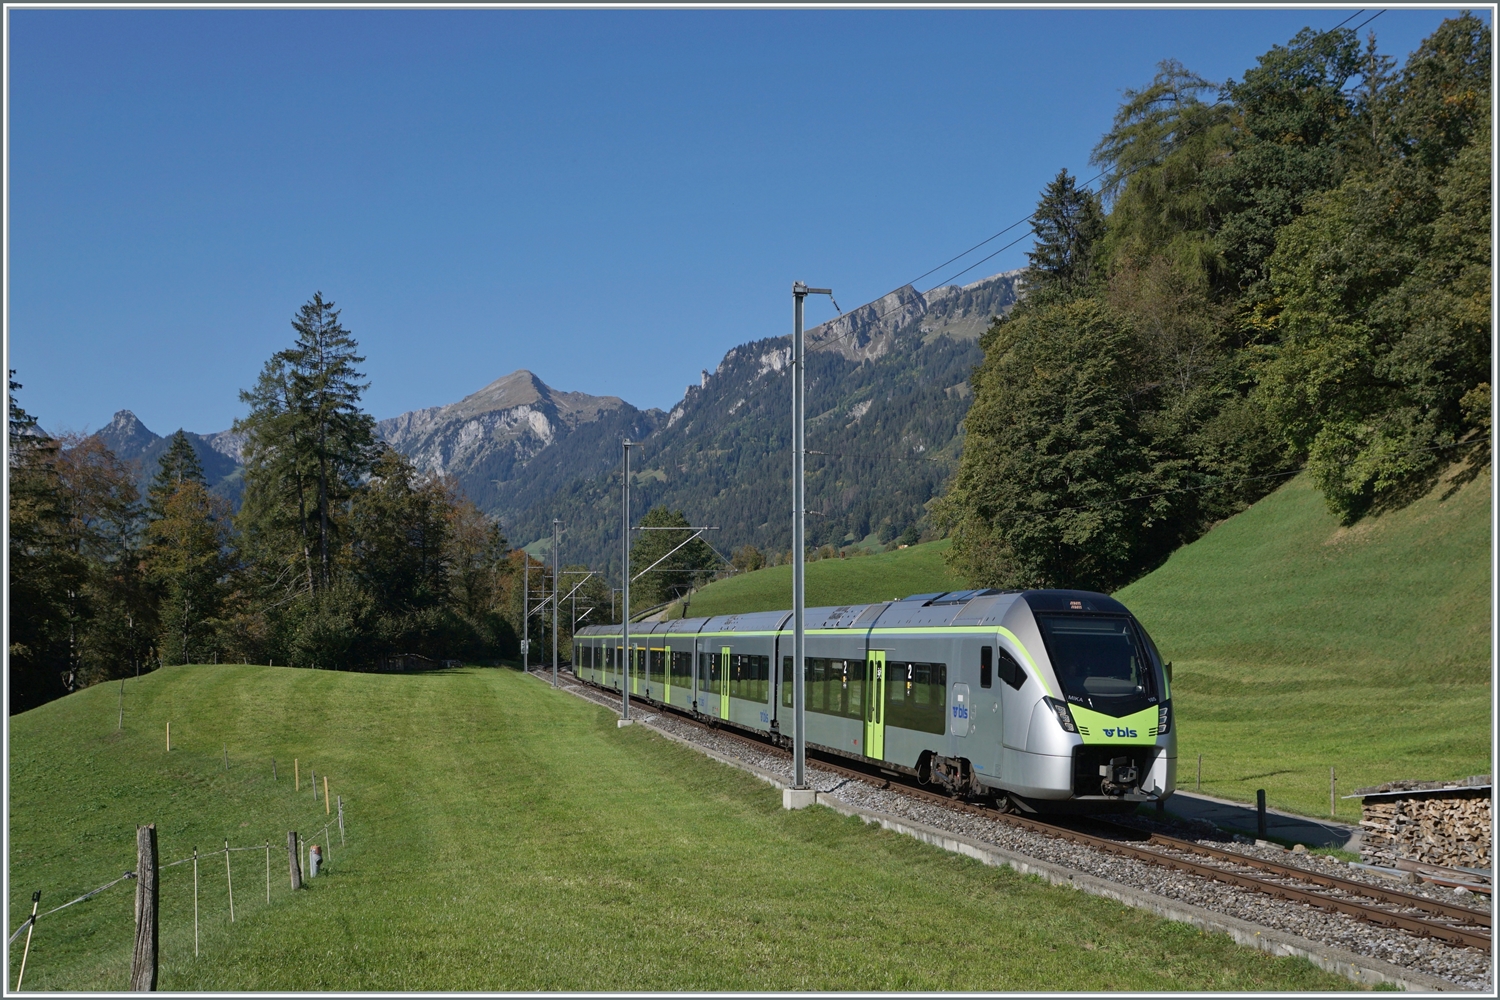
(1301, 645)
(862, 579)
(505, 836)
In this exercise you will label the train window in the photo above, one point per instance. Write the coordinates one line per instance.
(833, 687)
(986, 665)
(1010, 671)
(1100, 662)
(916, 696)
(658, 662)
(682, 670)
(710, 673)
(749, 677)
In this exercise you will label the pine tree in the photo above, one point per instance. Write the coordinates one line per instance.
(327, 389)
(308, 446)
(187, 557)
(43, 571)
(273, 517)
(1069, 225)
(178, 463)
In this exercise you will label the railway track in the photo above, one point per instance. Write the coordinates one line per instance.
(1450, 923)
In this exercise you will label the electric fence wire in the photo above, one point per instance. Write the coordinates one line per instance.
(88, 895)
(130, 875)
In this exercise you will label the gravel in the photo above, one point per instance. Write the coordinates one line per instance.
(1467, 968)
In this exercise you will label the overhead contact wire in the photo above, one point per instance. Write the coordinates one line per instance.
(1032, 215)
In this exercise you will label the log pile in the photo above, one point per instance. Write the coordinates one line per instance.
(1434, 824)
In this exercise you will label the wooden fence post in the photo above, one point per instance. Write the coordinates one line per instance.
(296, 775)
(341, 821)
(326, 807)
(143, 961)
(195, 902)
(292, 860)
(268, 871)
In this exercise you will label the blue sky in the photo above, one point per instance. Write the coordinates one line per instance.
(611, 199)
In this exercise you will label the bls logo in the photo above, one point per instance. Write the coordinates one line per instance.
(1121, 732)
(960, 711)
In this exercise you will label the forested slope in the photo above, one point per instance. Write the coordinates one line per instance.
(1290, 270)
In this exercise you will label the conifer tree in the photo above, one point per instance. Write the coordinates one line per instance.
(308, 446)
(42, 569)
(1069, 224)
(178, 463)
(327, 388)
(188, 559)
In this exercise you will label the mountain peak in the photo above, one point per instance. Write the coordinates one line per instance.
(126, 436)
(518, 388)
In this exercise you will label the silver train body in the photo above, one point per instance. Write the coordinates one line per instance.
(1049, 699)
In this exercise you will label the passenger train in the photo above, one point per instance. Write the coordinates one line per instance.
(1044, 700)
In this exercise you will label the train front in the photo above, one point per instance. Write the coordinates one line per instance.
(1102, 734)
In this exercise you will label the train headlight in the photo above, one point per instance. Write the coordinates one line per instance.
(1164, 718)
(1064, 717)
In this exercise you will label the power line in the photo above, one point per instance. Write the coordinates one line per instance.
(1189, 131)
(1351, 17)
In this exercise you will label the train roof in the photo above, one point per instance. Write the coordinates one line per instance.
(935, 610)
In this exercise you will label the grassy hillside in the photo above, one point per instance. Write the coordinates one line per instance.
(1302, 645)
(1299, 645)
(504, 836)
(917, 569)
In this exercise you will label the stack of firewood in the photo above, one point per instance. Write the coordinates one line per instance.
(1451, 829)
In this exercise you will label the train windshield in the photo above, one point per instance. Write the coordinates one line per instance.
(1101, 662)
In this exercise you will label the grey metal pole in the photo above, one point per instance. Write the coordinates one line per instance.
(799, 540)
(624, 662)
(526, 614)
(556, 618)
(799, 635)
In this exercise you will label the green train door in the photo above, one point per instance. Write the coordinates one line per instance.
(723, 682)
(635, 670)
(875, 704)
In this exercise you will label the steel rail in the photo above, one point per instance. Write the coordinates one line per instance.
(1394, 896)
(1461, 936)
